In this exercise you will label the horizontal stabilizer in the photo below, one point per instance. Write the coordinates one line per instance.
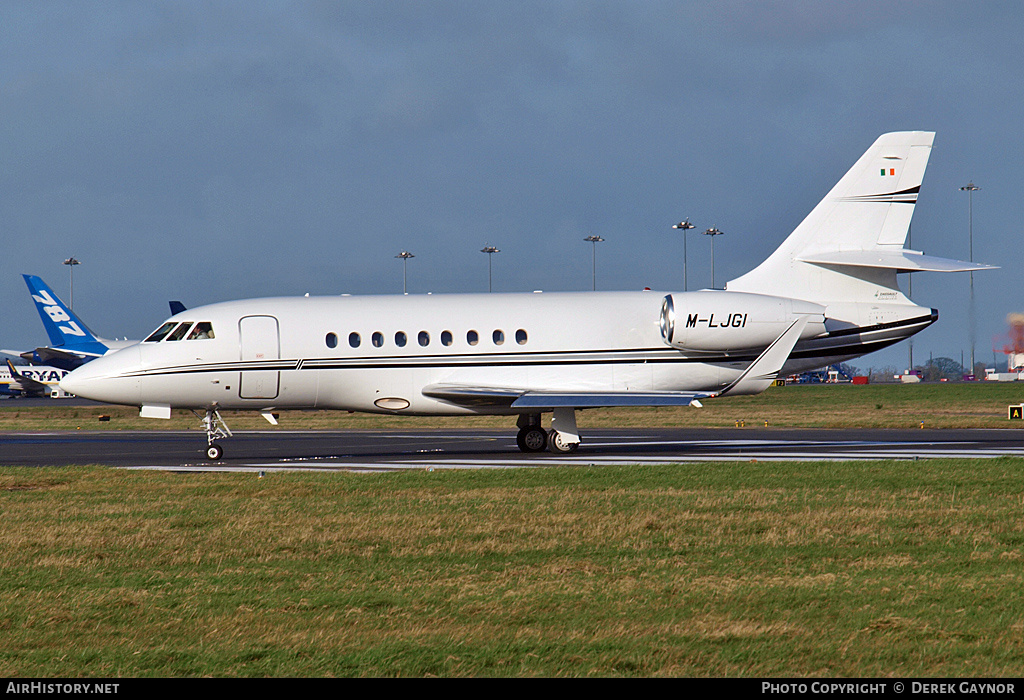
(901, 260)
(57, 357)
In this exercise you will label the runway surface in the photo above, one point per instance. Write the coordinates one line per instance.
(383, 450)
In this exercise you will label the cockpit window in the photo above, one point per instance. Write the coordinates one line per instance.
(161, 332)
(179, 332)
(202, 331)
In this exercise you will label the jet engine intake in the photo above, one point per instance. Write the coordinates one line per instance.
(731, 321)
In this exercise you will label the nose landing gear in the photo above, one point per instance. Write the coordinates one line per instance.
(215, 428)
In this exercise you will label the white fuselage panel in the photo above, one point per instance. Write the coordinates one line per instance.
(378, 353)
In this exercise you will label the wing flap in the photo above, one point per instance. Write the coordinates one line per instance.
(480, 396)
(605, 399)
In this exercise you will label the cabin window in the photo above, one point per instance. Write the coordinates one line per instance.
(202, 331)
(498, 337)
(446, 338)
(179, 332)
(354, 340)
(331, 340)
(161, 332)
(472, 337)
(423, 338)
(377, 339)
(521, 336)
(400, 339)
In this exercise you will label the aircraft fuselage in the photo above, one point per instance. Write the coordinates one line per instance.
(378, 353)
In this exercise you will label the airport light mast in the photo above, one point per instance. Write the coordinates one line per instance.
(684, 226)
(404, 255)
(970, 188)
(71, 262)
(713, 232)
(594, 240)
(490, 250)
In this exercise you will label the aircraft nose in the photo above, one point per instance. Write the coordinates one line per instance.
(107, 379)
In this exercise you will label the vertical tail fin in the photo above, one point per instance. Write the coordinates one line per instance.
(63, 327)
(868, 211)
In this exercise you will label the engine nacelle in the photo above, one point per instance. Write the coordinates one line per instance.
(726, 321)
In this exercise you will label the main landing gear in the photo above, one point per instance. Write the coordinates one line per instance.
(563, 437)
(215, 428)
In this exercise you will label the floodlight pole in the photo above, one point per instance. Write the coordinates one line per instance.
(71, 262)
(404, 255)
(684, 226)
(713, 232)
(970, 188)
(490, 250)
(594, 240)
(910, 294)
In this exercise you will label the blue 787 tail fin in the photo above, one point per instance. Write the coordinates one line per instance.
(64, 328)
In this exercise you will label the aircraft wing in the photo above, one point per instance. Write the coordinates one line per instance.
(30, 386)
(765, 369)
(478, 396)
(757, 377)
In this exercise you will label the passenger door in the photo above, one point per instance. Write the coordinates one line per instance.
(260, 343)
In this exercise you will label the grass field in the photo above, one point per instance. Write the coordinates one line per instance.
(955, 405)
(858, 569)
(863, 569)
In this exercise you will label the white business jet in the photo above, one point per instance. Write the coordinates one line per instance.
(828, 294)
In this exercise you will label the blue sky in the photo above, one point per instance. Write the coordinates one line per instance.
(205, 151)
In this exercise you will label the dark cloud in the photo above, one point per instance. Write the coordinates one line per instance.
(205, 151)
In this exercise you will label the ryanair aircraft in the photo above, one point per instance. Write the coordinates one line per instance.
(826, 295)
(31, 380)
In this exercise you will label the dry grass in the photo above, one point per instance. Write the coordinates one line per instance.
(857, 569)
(954, 405)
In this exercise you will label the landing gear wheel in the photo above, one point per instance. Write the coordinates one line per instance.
(532, 439)
(557, 443)
(215, 428)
